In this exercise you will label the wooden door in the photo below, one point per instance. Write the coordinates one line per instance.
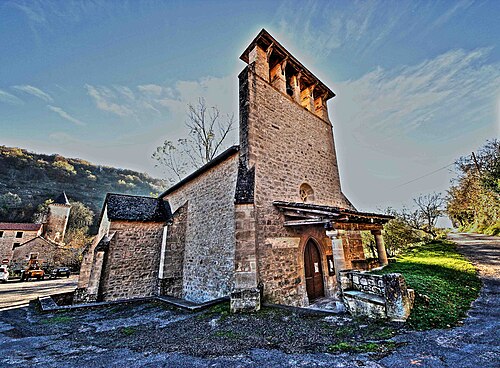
(313, 271)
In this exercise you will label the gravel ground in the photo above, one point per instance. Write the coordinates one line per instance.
(153, 335)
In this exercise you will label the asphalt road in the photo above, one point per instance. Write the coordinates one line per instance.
(15, 293)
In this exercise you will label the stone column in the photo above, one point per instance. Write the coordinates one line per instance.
(245, 296)
(337, 250)
(278, 78)
(307, 98)
(379, 241)
(295, 82)
(95, 276)
(258, 58)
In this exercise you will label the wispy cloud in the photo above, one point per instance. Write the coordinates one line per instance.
(171, 100)
(10, 98)
(63, 114)
(360, 26)
(396, 124)
(106, 100)
(455, 9)
(455, 91)
(34, 11)
(35, 92)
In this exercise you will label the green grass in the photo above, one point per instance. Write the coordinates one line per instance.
(228, 334)
(127, 331)
(367, 347)
(445, 284)
(57, 319)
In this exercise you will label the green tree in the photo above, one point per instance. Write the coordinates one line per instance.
(473, 202)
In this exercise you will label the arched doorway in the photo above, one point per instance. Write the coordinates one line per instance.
(313, 271)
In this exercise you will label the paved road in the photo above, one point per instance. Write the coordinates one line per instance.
(15, 293)
(477, 342)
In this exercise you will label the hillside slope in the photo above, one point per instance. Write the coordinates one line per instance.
(28, 179)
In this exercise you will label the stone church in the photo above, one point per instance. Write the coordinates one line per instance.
(265, 221)
(22, 241)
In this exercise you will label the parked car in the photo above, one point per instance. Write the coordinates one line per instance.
(4, 273)
(32, 273)
(60, 272)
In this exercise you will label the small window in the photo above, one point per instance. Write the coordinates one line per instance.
(16, 245)
(1, 234)
(19, 234)
(306, 193)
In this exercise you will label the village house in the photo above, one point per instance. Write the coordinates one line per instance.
(21, 241)
(265, 221)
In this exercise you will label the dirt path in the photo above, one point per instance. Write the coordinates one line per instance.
(475, 344)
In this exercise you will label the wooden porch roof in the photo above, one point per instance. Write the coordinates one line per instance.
(300, 214)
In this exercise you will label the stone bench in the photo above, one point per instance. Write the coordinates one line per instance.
(376, 296)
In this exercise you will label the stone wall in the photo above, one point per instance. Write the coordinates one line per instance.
(376, 296)
(88, 254)
(173, 266)
(47, 254)
(209, 245)
(9, 238)
(288, 146)
(132, 260)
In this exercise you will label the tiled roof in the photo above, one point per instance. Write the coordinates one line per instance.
(137, 208)
(21, 226)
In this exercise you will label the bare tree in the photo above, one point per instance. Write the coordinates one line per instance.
(208, 131)
(424, 217)
(171, 159)
(430, 208)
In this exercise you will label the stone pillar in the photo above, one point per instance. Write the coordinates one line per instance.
(379, 241)
(295, 82)
(320, 108)
(258, 58)
(95, 276)
(337, 250)
(278, 79)
(307, 99)
(245, 296)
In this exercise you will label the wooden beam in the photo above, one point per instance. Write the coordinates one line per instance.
(299, 214)
(320, 212)
(306, 222)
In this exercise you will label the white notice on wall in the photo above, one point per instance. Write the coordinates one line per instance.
(283, 242)
(316, 267)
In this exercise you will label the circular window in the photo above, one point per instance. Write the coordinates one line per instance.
(306, 193)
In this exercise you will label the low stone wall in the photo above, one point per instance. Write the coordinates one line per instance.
(376, 296)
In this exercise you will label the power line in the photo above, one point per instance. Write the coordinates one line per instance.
(423, 176)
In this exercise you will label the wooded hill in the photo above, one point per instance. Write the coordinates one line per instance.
(27, 179)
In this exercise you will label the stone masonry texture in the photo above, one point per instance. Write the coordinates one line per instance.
(8, 239)
(209, 243)
(132, 260)
(172, 282)
(288, 146)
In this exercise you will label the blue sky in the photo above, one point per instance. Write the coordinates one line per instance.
(417, 83)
